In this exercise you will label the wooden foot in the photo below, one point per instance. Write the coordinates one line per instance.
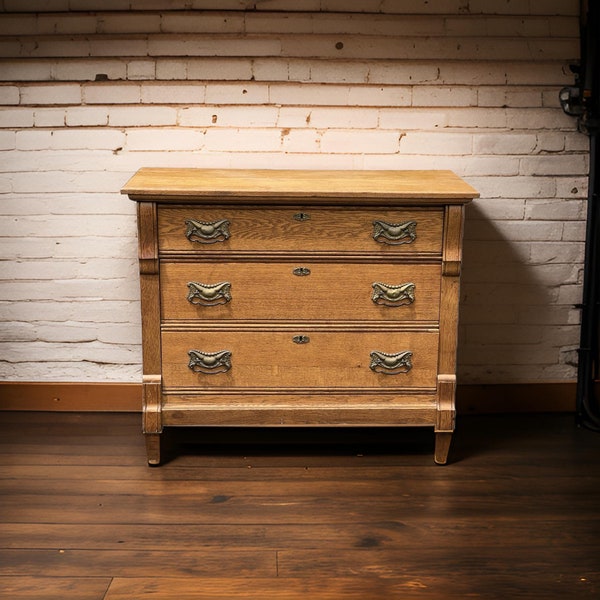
(442, 446)
(153, 448)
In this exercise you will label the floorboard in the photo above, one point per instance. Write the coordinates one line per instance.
(282, 514)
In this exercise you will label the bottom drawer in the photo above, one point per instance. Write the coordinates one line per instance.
(299, 359)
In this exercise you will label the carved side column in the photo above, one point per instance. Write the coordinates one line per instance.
(446, 385)
(150, 300)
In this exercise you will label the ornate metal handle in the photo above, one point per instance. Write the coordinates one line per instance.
(393, 295)
(207, 233)
(209, 363)
(395, 234)
(207, 294)
(391, 364)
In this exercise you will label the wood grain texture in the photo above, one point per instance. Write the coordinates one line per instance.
(330, 360)
(267, 229)
(276, 514)
(271, 291)
(171, 184)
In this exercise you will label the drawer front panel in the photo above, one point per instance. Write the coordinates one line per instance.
(206, 229)
(299, 359)
(300, 291)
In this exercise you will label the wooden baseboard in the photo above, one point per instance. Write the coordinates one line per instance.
(47, 396)
(127, 397)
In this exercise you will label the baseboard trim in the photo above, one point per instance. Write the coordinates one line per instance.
(127, 397)
(75, 397)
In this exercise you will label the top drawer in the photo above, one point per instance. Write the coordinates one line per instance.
(199, 229)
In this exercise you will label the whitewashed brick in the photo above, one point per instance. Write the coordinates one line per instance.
(49, 117)
(83, 115)
(93, 139)
(33, 140)
(307, 94)
(36, 5)
(141, 70)
(540, 119)
(301, 140)
(9, 94)
(65, 23)
(379, 96)
(140, 116)
(415, 119)
(233, 116)
(509, 97)
(7, 140)
(18, 24)
(294, 116)
(50, 47)
(403, 72)
(63, 93)
(572, 187)
(191, 22)
(235, 93)
(76, 70)
(213, 45)
(332, 72)
(489, 165)
(440, 143)
(277, 69)
(165, 139)
(217, 69)
(477, 118)
(566, 252)
(111, 93)
(343, 118)
(122, 23)
(173, 94)
(66, 181)
(444, 96)
(504, 143)
(359, 142)
(570, 295)
(121, 47)
(555, 210)
(168, 69)
(515, 187)
(243, 140)
(574, 232)
(550, 142)
(564, 164)
(501, 209)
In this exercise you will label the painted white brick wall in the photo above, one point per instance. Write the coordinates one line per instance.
(91, 91)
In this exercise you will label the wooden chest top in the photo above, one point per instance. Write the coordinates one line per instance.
(287, 186)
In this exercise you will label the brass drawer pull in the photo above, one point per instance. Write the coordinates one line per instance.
(393, 295)
(395, 234)
(209, 363)
(391, 364)
(207, 233)
(207, 294)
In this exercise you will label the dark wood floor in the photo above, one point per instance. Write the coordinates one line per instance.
(298, 514)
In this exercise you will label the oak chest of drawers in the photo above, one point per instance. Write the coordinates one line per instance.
(299, 298)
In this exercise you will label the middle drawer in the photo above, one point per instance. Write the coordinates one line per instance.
(297, 292)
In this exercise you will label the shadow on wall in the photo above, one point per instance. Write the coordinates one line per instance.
(514, 324)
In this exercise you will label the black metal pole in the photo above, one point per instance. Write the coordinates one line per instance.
(588, 409)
